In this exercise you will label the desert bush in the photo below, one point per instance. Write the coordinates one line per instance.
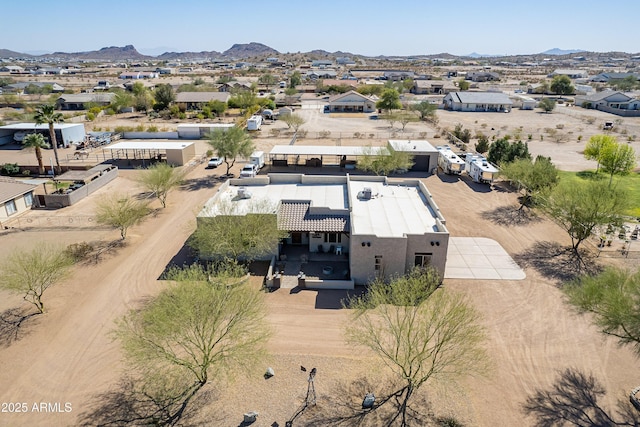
(152, 129)
(324, 134)
(274, 132)
(560, 126)
(78, 251)
(90, 116)
(302, 133)
(26, 172)
(140, 128)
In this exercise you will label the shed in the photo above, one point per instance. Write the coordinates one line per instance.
(66, 133)
(425, 155)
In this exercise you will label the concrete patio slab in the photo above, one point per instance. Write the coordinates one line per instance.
(480, 258)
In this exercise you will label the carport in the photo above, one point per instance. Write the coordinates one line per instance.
(316, 155)
(175, 153)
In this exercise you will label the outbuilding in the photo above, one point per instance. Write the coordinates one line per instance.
(66, 133)
(425, 155)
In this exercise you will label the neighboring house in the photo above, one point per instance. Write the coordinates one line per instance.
(482, 76)
(611, 102)
(431, 87)
(378, 227)
(11, 69)
(478, 102)
(196, 100)
(396, 76)
(50, 71)
(21, 86)
(137, 75)
(78, 101)
(572, 74)
(608, 77)
(334, 82)
(351, 102)
(322, 63)
(15, 198)
(102, 85)
(230, 86)
(322, 74)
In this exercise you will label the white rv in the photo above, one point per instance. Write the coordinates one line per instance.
(257, 158)
(254, 123)
(479, 168)
(449, 161)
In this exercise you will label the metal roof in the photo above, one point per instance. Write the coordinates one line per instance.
(148, 145)
(419, 146)
(44, 126)
(481, 97)
(317, 150)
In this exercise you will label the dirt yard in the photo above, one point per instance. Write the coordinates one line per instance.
(68, 355)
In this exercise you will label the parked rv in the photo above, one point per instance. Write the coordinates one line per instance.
(257, 158)
(449, 161)
(479, 168)
(254, 123)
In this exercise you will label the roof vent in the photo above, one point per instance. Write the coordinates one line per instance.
(243, 193)
(365, 194)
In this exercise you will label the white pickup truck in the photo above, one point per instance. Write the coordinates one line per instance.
(249, 170)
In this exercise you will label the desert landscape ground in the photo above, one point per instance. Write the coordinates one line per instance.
(69, 355)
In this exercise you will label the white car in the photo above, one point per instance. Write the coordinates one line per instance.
(214, 162)
(249, 171)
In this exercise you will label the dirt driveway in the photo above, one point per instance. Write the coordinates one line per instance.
(68, 355)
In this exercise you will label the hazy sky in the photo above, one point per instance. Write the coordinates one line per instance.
(374, 27)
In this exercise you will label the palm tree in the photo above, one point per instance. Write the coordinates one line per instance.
(47, 114)
(37, 142)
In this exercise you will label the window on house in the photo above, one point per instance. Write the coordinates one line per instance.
(378, 263)
(28, 199)
(10, 206)
(422, 259)
(332, 237)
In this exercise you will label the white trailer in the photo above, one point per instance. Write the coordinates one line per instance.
(254, 123)
(449, 161)
(479, 168)
(257, 158)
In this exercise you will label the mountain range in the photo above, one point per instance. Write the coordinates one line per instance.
(237, 51)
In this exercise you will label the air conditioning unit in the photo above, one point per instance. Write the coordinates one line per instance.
(365, 194)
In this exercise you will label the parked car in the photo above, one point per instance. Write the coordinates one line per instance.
(249, 171)
(214, 162)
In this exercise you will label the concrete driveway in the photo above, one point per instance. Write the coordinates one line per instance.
(480, 258)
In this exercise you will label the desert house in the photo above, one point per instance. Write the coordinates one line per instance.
(611, 102)
(83, 101)
(16, 198)
(351, 102)
(196, 100)
(378, 227)
(478, 102)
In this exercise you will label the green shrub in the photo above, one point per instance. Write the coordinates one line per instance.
(90, 116)
(152, 129)
(26, 172)
(9, 169)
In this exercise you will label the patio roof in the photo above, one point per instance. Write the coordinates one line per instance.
(295, 216)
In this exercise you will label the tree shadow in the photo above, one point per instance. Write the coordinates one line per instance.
(343, 407)
(510, 216)
(195, 184)
(15, 324)
(127, 405)
(557, 262)
(573, 400)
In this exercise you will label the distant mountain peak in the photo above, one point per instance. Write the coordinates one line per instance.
(558, 51)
